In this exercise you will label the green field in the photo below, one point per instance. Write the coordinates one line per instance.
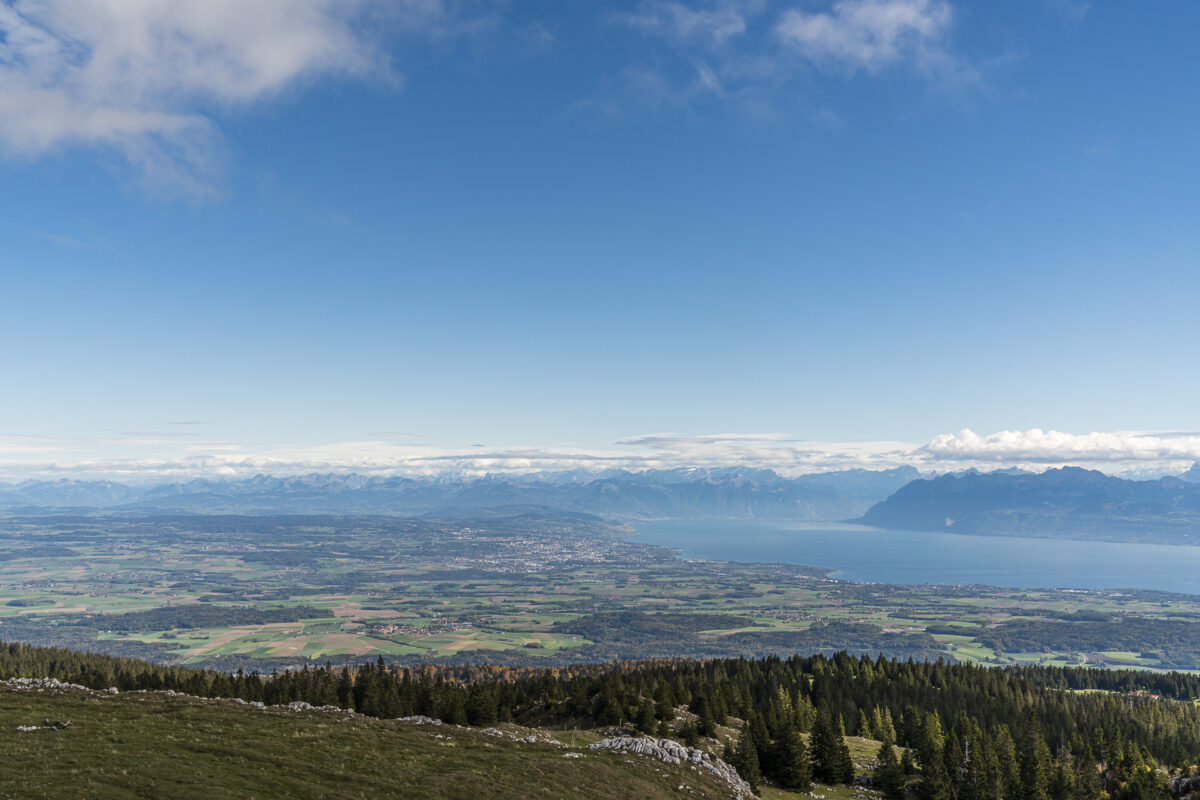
(153, 746)
(266, 592)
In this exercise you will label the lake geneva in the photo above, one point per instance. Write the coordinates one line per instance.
(859, 553)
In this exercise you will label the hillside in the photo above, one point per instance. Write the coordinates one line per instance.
(653, 494)
(634, 729)
(1067, 503)
(156, 745)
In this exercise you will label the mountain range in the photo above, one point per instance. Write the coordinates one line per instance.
(653, 494)
(1066, 503)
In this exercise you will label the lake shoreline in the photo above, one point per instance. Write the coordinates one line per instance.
(861, 554)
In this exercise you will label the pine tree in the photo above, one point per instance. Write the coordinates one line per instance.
(702, 708)
(889, 727)
(889, 775)
(745, 760)
(803, 713)
(609, 711)
(934, 783)
(1034, 763)
(645, 721)
(453, 708)
(1063, 779)
(793, 768)
(481, 705)
(1143, 783)
(954, 760)
(664, 708)
(843, 764)
(877, 726)
(830, 755)
(1008, 773)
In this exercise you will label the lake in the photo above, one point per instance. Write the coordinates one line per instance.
(860, 553)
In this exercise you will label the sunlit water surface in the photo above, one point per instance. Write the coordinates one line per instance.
(860, 553)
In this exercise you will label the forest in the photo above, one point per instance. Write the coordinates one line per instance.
(947, 731)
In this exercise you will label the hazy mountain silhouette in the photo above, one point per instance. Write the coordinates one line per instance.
(654, 494)
(1068, 503)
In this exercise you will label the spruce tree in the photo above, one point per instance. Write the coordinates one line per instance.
(1034, 763)
(1008, 774)
(830, 755)
(646, 722)
(934, 783)
(793, 768)
(877, 726)
(889, 775)
(745, 760)
(843, 764)
(821, 745)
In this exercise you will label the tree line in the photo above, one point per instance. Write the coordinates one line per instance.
(948, 731)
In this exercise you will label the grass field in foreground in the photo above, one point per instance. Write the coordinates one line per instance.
(154, 746)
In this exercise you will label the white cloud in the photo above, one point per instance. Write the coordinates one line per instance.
(143, 77)
(1074, 10)
(153, 456)
(747, 51)
(869, 35)
(1036, 446)
(713, 23)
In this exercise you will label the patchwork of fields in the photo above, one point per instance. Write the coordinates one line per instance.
(276, 592)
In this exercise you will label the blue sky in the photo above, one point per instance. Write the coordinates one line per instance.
(553, 227)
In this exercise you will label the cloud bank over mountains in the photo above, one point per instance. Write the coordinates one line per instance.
(149, 456)
(1054, 448)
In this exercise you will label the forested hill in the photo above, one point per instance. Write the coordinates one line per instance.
(947, 730)
(1066, 503)
(651, 494)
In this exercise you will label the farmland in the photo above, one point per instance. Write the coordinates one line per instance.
(534, 589)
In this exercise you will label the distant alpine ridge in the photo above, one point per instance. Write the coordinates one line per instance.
(654, 494)
(1065, 503)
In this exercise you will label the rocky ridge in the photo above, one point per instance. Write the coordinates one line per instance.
(673, 752)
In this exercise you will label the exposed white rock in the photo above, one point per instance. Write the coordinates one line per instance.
(300, 705)
(41, 684)
(673, 752)
(420, 719)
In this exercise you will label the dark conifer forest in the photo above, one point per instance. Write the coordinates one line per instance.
(948, 731)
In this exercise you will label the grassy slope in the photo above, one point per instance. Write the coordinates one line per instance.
(175, 747)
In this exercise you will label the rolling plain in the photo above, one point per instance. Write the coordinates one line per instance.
(262, 593)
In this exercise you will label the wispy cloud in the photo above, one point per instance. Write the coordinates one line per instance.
(713, 23)
(74, 242)
(746, 51)
(869, 35)
(1074, 10)
(144, 78)
(1036, 446)
(154, 456)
